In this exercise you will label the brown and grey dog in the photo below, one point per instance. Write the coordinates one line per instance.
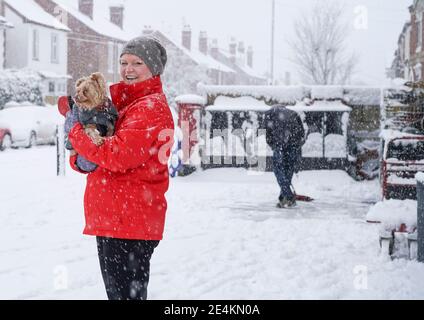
(95, 110)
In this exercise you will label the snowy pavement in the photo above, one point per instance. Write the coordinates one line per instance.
(224, 238)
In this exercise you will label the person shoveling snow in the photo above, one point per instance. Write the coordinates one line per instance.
(285, 135)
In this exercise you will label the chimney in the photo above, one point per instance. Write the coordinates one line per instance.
(117, 15)
(203, 42)
(214, 49)
(241, 48)
(250, 56)
(187, 37)
(86, 7)
(233, 50)
(241, 56)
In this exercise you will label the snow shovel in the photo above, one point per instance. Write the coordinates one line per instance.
(301, 198)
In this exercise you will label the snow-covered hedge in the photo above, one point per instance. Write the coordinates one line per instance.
(327, 92)
(190, 99)
(270, 94)
(20, 86)
(353, 95)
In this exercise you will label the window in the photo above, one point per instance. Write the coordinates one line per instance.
(402, 49)
(54, 48)
(35, 45)
(51, 87)
(417, 72)
(315, 122)
(334, 123)
(61, 88)
(111, 57)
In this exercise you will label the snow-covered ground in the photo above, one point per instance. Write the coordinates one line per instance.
(224, 238)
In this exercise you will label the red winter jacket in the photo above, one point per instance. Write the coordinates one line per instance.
(125, 195)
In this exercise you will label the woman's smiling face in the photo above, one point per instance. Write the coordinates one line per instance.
(133, 69)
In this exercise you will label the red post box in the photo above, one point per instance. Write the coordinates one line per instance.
(190, 108)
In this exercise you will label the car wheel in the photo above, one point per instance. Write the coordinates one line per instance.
(6, 143)
(32, 140)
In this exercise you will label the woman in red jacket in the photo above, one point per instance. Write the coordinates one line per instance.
(124, 200)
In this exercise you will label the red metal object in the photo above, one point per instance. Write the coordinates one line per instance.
(397, 167)
(188, 116)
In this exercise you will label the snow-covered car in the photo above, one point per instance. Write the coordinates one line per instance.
(5, 139)
(30, 125)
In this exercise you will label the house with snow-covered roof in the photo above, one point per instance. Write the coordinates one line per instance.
(220, 67)
(219, 73)
(240, 60)
(416, 60)
(37, 42)
(408, 60)
(4, 25)
(94, 42)
(400, 67)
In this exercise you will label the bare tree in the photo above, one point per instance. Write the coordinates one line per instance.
(319, 46)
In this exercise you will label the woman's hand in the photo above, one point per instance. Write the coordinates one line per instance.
(94, 135)
(98, 140)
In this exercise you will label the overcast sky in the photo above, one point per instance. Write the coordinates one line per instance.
(250, 21)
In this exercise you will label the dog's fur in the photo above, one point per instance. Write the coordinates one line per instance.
(90, 95)
(91, 91)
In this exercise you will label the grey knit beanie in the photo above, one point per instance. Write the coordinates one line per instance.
(150, 50)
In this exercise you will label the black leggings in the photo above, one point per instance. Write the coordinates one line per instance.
(125, 266)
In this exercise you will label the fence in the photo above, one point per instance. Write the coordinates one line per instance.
(420, 218)
(60, 151)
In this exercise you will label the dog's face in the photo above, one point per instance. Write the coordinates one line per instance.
(91, 91)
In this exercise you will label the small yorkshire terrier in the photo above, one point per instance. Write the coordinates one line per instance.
(96, 111)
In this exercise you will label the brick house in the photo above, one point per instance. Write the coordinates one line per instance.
(219, 73)
(416, 61)
(239, 59)
(400, 67)
(408, 62)
(234, 67)
(37, 43)
(94, 42)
